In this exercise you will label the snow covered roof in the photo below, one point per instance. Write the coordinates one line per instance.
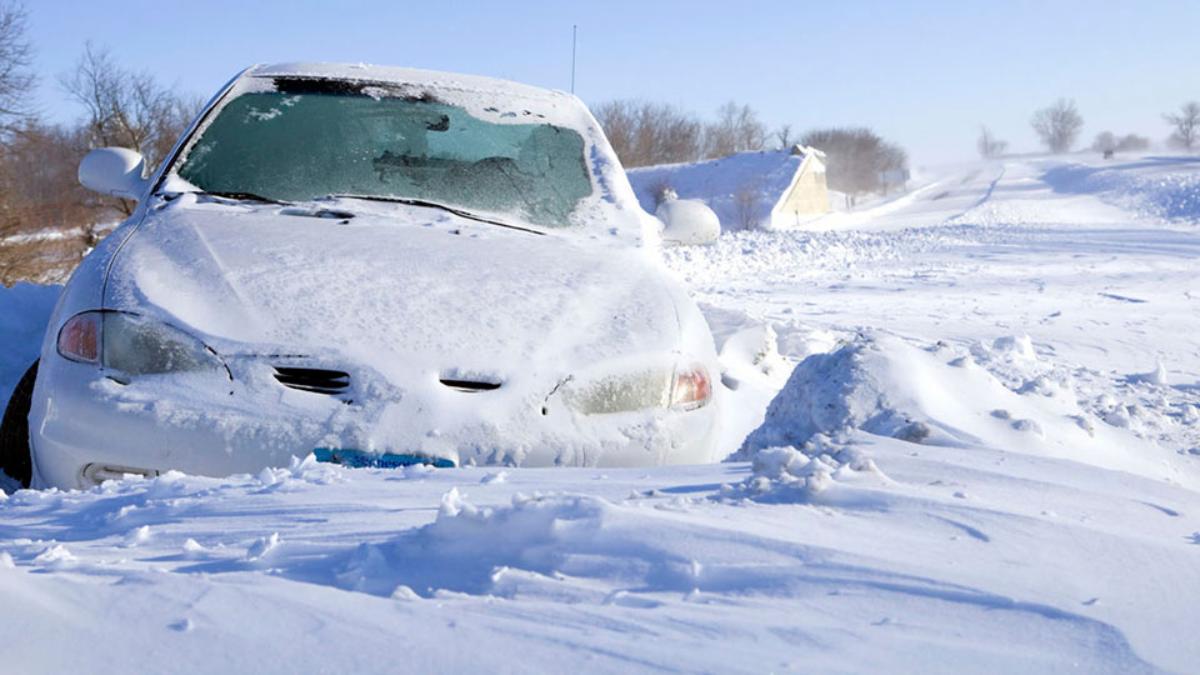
(413, 76)
(766, 176)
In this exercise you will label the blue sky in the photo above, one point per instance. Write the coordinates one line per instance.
(925, 74)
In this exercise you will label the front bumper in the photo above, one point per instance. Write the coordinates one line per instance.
(85, 426)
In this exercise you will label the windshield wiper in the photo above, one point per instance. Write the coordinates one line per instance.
(240, 196)
(410, 201)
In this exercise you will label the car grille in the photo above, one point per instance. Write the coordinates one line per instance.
(315, 380)
(469, 386)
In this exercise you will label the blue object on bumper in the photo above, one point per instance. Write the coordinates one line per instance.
(358, 459)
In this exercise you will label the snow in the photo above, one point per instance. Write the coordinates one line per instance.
(24, 311)
(1161, 187)
(742, 189)
(968, 432)
(688, 221)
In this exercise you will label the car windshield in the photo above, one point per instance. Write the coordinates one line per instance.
(303, 143)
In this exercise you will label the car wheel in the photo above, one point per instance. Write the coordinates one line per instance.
(14, 430)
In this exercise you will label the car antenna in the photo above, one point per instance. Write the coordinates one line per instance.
(574, 39)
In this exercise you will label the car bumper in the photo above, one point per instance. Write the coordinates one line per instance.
(85, 427)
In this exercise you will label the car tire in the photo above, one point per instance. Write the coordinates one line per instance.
(14, 430)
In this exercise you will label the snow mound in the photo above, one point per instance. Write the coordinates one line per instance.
(1160, 187)
(688, 221)
(857, 386)
(999, 395)
(787, 475)
(498, 550)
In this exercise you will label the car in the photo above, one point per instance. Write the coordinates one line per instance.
(379, 266)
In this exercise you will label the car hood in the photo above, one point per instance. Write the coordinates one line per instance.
(397, 288)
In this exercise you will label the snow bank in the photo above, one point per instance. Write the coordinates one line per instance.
(1159, 187)
(24, 311)
(999, 394)
(565, 547)
(742, 189)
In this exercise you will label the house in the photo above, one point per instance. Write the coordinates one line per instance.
(766, 190)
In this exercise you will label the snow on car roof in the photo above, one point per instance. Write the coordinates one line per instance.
(412, 76)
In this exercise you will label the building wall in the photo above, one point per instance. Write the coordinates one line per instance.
(809, 197)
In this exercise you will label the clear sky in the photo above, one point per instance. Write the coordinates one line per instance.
(925, 74)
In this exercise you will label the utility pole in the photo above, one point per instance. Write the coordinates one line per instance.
(574, 40)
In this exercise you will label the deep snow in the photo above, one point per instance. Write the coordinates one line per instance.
(986, 459)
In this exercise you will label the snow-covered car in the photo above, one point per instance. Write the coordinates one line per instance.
(382, 266)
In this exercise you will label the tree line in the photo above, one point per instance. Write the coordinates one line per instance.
(1059, 125)
(645, 133)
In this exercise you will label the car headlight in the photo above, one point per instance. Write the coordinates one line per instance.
(134, 344)
(686, 389)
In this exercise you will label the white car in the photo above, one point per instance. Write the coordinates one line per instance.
(382, 266)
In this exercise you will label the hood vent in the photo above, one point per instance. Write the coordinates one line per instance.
(469, 386)
(315, 380)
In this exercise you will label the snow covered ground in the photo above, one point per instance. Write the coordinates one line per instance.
(967, 425)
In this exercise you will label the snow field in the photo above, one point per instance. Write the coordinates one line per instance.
(968, 437)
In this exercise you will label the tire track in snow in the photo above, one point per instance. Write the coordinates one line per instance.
(984, 199)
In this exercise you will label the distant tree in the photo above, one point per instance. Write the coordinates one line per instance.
(783, 136)
(893, 167)
(16, 78)
(1105, 142)
(858, 161)
(1187, 126)
(38, 177)
(989, 146)
(1058, 125)
(1132, 143)
(643, 133)
(737, 129)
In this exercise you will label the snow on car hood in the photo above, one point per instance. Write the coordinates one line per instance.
(399, 289)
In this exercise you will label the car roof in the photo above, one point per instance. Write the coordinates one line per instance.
(364, 72)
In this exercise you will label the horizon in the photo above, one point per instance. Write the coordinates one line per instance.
(924, 76)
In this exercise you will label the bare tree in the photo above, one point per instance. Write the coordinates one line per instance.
(1058, 125)
(16, 79)
(1105, 142)
(737, 129)
(892, 163)
(989, 146)
(39, 191)
(747, 205)
(125, 108)
(1187, 126)
(645, 133)
(783, 135)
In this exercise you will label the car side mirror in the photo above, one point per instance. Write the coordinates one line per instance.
(116, 172)
(688, 222)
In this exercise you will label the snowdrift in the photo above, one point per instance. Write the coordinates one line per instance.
(24, 311)
(999, 395)
(1158, 187)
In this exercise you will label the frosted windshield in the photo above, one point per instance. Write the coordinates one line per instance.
(301, 146)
